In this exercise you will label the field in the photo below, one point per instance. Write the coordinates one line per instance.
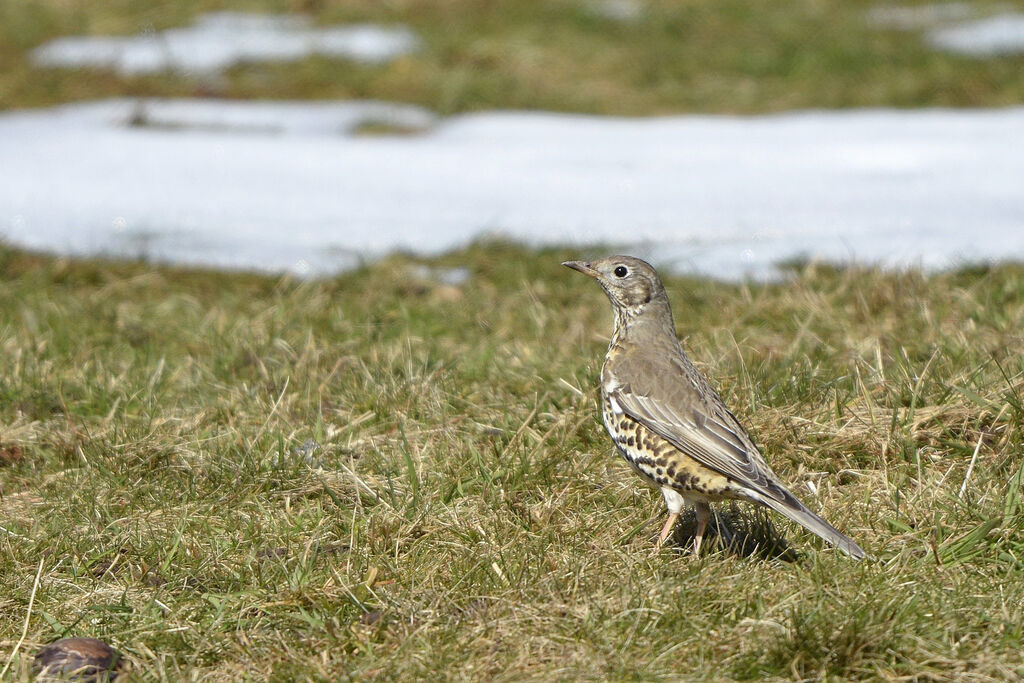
(383, 475)
(400, 472)
(726, 56)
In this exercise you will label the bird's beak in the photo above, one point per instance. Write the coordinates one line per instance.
(580, 266)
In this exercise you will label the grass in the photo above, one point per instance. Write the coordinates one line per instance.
(728, 56)
(378, 475)
(386, 475)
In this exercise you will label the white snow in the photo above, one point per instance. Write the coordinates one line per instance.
(1002, 34)
(285, 186)
(222, 39)
(952, 28)
(617, 10)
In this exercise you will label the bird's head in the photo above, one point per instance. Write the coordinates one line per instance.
(631, 284)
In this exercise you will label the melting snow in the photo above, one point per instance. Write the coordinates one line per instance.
(286, 186)
(1002, 34)
(617, 10)
(222, 39)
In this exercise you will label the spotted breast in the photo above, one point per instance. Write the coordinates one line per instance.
(658, 462)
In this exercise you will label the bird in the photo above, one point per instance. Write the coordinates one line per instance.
(666, 419)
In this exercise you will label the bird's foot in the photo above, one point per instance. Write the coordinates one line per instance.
(667, 529)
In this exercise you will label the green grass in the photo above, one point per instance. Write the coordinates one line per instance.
(699, 55)
(229, 475)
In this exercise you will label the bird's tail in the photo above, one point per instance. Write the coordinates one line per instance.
(798, 512)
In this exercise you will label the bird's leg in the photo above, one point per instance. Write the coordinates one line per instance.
(703, 516)
(675, 504)
(667, 529)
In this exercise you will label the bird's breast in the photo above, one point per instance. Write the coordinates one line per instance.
(657, 461)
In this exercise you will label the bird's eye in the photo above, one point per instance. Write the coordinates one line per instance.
(621, 271)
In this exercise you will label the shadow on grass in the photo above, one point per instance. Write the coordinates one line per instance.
(741, 531)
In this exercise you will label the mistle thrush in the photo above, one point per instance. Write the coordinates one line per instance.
(668, 422)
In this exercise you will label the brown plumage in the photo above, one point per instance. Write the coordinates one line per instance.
(668, 422)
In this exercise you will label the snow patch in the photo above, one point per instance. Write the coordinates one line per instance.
(1002, 34)
(222, 39)
(284, 186)
(617, 10)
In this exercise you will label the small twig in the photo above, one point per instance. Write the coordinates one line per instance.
(28, 617)
(970, 467)
(564, 383)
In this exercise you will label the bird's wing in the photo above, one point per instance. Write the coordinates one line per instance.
(681, 407)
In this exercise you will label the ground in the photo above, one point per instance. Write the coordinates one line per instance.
(722, 56)
(397, 473)
(382, 474)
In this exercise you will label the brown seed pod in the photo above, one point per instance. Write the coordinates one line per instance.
(86, 659)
